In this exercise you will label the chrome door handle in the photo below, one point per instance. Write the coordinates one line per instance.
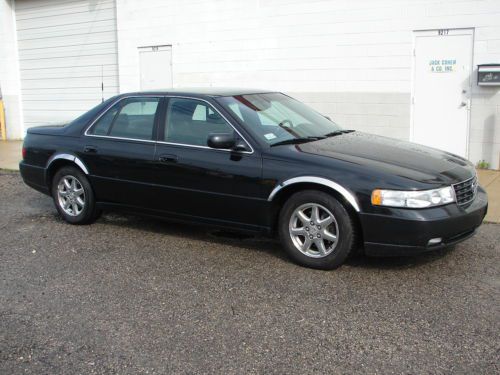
(90, 149)
(167, 158)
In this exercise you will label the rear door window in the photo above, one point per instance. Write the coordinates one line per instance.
(132, 118)
(102, 126)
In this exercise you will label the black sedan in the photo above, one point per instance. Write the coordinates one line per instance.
(260, 162)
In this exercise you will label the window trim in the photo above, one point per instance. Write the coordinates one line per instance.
(166, 96)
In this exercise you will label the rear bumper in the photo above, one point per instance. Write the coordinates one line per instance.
(399, 232)
(34, 177)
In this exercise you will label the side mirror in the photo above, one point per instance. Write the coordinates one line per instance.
(221, 140)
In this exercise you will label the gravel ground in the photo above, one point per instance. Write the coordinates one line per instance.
(129, 295)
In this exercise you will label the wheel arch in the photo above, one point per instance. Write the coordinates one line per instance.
(316, 181)
(286, 189)
(60, 160)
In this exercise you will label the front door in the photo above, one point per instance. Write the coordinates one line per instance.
(197, 182)
(442, 89)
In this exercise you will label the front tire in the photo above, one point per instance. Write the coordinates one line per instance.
(316, 230)
(73, 196)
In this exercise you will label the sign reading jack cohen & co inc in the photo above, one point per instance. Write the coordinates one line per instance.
(442, 65)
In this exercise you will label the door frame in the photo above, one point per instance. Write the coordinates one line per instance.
(432, 33)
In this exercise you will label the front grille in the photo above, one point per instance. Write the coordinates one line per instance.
(465, 191)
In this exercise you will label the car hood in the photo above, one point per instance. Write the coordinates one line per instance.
(402, 158)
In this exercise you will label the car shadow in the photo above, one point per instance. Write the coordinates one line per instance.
(196, 232)
(255, 243)
(397, 262)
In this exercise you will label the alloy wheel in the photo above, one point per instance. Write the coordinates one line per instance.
(71, 195)
(314, 230)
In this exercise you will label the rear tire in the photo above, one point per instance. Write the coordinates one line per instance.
(316, 230)
(73, 196)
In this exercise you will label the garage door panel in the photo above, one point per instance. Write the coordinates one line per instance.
(57, 105)
(70, 61)
(67, 50)
(28, 5)
(50, 53)
(63, 17)
(106, 24)
(48, 93)
(48, 25)
(81, 39)
(67, 96)
(74, 82)
(47, 8)
(78, 29)
(70, 72)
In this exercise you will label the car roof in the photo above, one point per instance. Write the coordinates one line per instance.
(204, 91)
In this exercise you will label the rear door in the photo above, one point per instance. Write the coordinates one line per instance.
(119, 150)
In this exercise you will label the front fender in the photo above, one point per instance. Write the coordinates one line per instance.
(348, 195)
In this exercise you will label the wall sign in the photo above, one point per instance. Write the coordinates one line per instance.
(442, 65)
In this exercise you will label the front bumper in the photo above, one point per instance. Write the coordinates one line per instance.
(398, 231)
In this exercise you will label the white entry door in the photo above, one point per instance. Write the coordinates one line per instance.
(442, 89)
(155, 67)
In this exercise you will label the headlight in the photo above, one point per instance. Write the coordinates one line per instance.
(413, 199)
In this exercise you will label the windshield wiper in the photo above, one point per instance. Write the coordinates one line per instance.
(338, 132)
(297, 141)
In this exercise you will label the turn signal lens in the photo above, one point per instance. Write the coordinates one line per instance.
(377, 197)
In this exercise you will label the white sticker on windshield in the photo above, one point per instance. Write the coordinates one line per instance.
(269, 136)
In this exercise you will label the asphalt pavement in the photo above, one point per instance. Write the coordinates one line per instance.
(130, 295)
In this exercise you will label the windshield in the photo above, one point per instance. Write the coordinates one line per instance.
(277, 118)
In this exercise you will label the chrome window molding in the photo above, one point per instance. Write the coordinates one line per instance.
(121, 138)
(202, 147)
(86, 133)
(321, 181)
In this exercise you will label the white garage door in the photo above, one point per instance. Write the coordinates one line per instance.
(67, 53)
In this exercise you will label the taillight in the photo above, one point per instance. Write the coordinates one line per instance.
(24, 153)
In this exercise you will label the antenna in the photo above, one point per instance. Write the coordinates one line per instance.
(102, 83)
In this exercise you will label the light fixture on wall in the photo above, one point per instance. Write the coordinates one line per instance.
(488, 75)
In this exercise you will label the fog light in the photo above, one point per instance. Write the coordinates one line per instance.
(434, 241)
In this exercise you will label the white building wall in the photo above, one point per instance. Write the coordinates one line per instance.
(351, 60)
(9, 71)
